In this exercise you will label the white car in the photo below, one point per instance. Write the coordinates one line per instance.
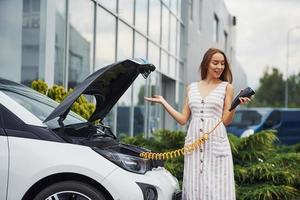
(47, 152)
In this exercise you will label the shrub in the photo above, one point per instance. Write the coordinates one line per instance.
(263, 171)
(81, 106)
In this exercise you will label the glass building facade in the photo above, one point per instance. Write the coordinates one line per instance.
(63, 41)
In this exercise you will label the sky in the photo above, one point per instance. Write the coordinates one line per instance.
(261, 36)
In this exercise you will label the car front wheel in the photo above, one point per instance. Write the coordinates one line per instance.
(70, 190)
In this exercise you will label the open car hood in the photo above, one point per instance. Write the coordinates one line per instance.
(107, 84)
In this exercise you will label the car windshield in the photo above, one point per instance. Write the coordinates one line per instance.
(248, 117)
(41, 106)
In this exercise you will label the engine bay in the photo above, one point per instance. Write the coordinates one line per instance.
(100, 137)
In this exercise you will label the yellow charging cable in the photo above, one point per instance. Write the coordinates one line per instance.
(179, 152)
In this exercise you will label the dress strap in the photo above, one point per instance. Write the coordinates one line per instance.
(225, 83)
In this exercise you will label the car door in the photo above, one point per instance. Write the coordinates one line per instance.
(289, 129)
(273, 121)
(3, 159)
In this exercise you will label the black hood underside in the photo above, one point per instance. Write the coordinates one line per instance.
(107, 85)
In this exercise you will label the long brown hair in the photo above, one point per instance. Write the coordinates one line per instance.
(226, 75)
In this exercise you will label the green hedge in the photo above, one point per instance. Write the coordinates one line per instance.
(263, 171)
(81, 106)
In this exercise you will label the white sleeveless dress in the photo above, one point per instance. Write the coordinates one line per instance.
(208, 171)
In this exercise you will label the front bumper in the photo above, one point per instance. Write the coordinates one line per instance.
(177, 195)
(124, 185)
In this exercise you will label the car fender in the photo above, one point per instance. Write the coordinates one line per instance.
(43, 158)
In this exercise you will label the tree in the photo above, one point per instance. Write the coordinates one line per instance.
(294, 90)
(271, 89)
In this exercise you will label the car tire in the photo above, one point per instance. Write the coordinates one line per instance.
(65, 190)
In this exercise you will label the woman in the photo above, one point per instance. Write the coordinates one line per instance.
(208, 171)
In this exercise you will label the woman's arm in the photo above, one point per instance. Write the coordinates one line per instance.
(182, 117)
(228, 116)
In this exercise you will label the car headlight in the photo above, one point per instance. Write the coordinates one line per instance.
(247, 133)
(127, 162)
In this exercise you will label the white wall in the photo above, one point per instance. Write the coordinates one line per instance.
(239, 77)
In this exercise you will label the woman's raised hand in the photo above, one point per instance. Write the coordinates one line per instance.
(244, 100)
(155, 99)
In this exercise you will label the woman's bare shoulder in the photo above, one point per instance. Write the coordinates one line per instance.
(229, 88)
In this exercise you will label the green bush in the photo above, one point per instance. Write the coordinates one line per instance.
(81, 106)
(263, 171)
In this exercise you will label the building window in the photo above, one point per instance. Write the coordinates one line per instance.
(110, 4)
(191, 4)
(172, 67)
(181, 71)
(81, 41)
(32, 31)
(140, 49)
(173, 6)
(105, 38)
(154, 20)
(126, 10)
(164, 63)
(141, 15)
(200, 7)
(154, 115)
(167, 3)
(36, 5)
(140, 45)
(153, 54)
(173, 29)
(216, 28)
(60, 33)
(179, 9)
(225, 41)
(125, 41)
(180, 39)
(165, 28)
(125, 50)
